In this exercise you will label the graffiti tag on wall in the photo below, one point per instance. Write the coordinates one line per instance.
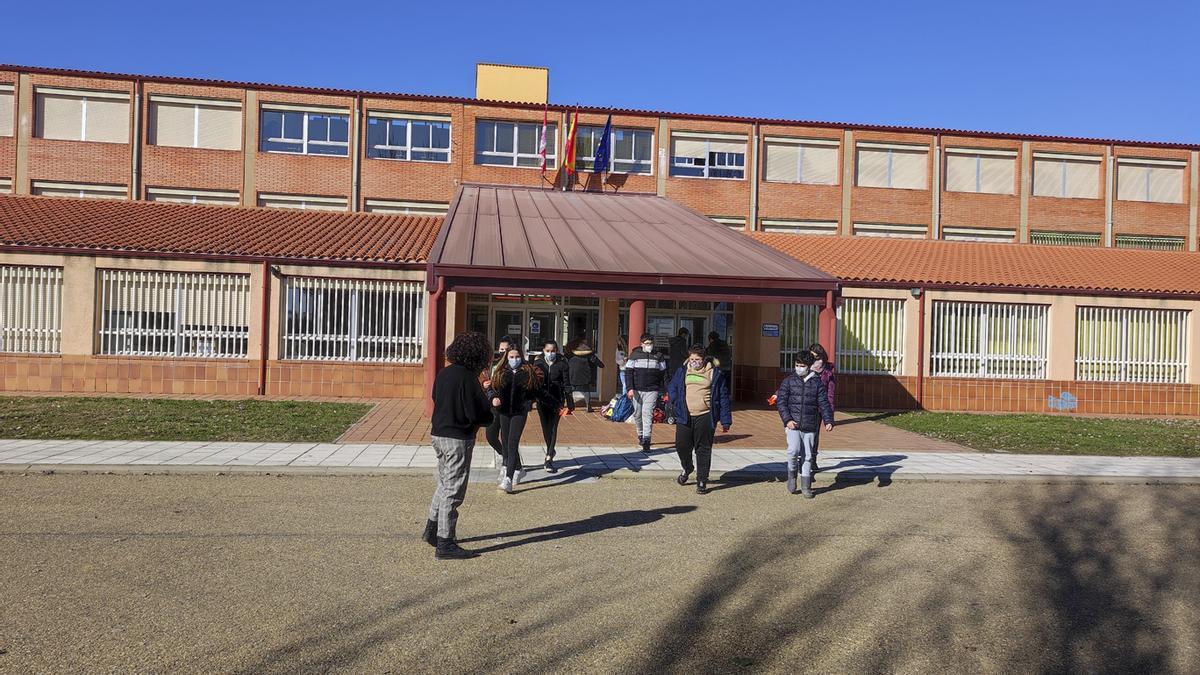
(1064, 402)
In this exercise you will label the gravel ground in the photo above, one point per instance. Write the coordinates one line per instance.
(312, 574)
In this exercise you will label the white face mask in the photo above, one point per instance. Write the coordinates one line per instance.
(818, 366)
(550, 356)
(695, 365)
(647, 346)
(513, 363)
(801, 370)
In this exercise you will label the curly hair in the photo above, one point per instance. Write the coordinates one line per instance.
(470, 350)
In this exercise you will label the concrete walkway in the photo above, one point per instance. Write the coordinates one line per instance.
(575, 462)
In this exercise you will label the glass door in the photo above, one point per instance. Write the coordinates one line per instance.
(585, 323)
(510, 322)
(541, 327)
(697, 328)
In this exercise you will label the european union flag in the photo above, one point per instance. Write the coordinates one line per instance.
(600, 165)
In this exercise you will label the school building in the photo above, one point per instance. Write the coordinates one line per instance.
(185, 236)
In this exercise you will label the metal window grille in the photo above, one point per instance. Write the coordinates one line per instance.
(1150, 243)
(1131, 345)
(979, 339)
(31, 309)
(353, 320)
(870, 336)
(183, 314)
(797, 330)
(1064, 239)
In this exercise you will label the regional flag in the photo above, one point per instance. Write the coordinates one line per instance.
(569, 148)
(542, 140)
(600, 164)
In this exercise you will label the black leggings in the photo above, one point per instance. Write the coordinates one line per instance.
(550, 419)
(492, 434)
(511, 427)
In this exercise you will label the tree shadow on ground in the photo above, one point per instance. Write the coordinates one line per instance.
(869, 417)
(593, 524)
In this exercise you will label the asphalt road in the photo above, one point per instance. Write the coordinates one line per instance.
(312, 574)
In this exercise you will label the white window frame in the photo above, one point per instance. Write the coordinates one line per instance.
(85, 190)
(126, 324)
(37, 327)
(689, 162)
(408, 119)
(885, 356)
(803, 144)
(303, 202)
(800, 227)
(5, 186)
(890, 230)
(732, 222)
(187, 196)
(953, 352)
(984, 234)
(1151, 164)
(83, 97)
(517, 155)
(305, 142)
(892, 149)
(1090, 367)
(8, 89)
(196, 104)
(978, 154)
(400, 304)
(596, 132)
(1062, 160)
(412, 208)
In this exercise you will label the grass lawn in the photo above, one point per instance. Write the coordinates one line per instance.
(175, 420)
(1055, 435)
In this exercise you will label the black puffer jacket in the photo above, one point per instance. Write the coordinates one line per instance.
(555, 381)
(581, 362)
(645, 372)
(804, 402)
(517, 390)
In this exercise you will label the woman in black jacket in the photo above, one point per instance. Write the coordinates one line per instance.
(515, 387)
(582, 361)
(556, 387)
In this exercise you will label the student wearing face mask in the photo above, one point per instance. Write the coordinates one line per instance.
(699, 393)
(824, 367)
(515, 388)
(803, 405)
(555, 388)
(492, 433)
(644, 374)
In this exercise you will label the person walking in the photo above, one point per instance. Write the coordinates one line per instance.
(824, 367)
(583, 361)
(699, 393)
(721, 354)
(677, 350)
(644, 374)
(555, 388)
(492, 434)
(621, 357)
(803, 406)
(514, 389)
(459, 409)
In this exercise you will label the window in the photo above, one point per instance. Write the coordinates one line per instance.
(871, 336)
(183, 314)
(893, 166)
(1068, 176)
(630, 150)
(800, 160)
(697, 155)
(415, 138)
(890, 230)
(69, 115)
(1114, 344)
(1150, 180)
(514, 144)
(30, 309)
(977, 234)
(353, 320)
(6, 110)
(979, 339)
(1064, 238)
(195, 123)
(5, 186)
(409, 208)
(78, 190)
(732, 222)
(184, 196)
(808, 227)
(1150, 243)
(302, 202)
(305, 131)
(984, 171)
(798, 328)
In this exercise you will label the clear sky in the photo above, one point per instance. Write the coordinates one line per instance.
(1099, 68)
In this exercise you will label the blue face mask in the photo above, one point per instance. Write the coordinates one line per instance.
(513, 363)
(550, 356)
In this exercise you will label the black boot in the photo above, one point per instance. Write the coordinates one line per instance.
(701, 487)
(430, 533)
(550, 464)
(448, 549)
(791, 481)
(682, 477)
(646, 445)
(806, 487)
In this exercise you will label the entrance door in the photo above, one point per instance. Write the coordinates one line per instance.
(585, 323)
(510, 322)
(697, 328)
(662, 327)
(541, 327)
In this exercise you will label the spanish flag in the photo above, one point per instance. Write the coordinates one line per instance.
(569, 147)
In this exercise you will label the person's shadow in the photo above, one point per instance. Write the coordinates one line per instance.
(862, 471)
(597, 523)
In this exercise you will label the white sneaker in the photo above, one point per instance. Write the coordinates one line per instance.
(519, 475)
(506, 485)
(500, 473)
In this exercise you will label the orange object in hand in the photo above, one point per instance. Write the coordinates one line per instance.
(771, 401)
(563, 412)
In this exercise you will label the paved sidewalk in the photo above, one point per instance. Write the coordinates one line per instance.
(575, 462)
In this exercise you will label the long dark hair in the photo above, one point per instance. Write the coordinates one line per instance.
(470, 350)
(532, 381)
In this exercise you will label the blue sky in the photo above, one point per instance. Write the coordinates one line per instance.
(1103, 69)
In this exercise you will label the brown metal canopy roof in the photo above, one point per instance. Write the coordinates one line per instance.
(519, 239)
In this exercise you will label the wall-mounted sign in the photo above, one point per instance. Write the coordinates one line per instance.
(535, 326)
(770, 330)
(514, 329)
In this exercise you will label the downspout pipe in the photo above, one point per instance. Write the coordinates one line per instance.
(135, 180)
(436, 325)
(920, 295)
(265, 322)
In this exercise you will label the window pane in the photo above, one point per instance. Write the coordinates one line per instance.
(485, 136)
(421, 136)
(1082, 179)
(1131, 182)
(377, 132)
(622, 144)
(339, 128)
(527, 138)
(324, 149)
(1166, 184)
(504, 137)
(318, 128)
(910, 169)
(997, 174)
(441, 135)
(872, 168)
(783, 161)
(960, 172)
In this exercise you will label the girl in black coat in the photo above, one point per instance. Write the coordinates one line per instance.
(581, 363)
(515, 387)
(555, 389)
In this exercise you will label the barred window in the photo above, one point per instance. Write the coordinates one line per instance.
(1131, 345)
(798, 328)
(871, 336)
(184, 314)
(353, 320)
(31, 309)
(980, 339)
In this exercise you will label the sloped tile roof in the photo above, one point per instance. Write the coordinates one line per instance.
(1020, 267)
(213, 231)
